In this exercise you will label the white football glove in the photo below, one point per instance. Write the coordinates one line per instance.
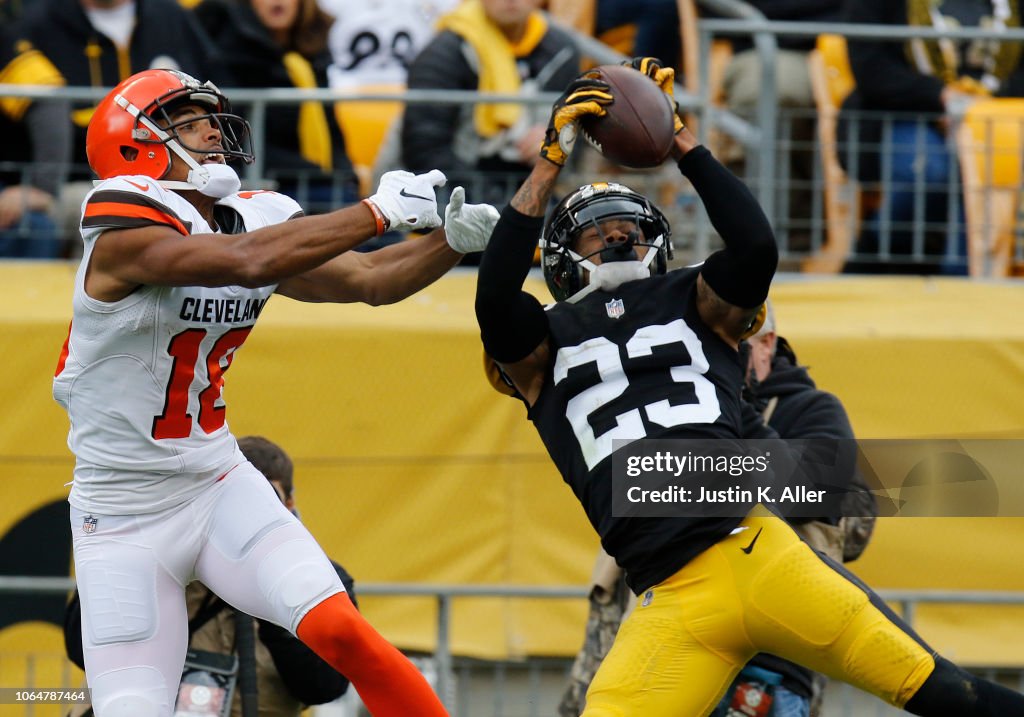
(407, 200)
(468, 227)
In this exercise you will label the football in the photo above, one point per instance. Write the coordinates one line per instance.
(637, 129)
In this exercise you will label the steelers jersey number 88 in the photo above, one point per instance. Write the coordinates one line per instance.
(614, 380)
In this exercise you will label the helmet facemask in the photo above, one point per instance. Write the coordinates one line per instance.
(593, 205)
(131, 131)
(235, 132)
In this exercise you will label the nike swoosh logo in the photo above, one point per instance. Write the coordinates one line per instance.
(143, 187)
(414, 196)
(750, 547)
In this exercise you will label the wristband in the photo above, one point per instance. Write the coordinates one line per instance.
(380, 219)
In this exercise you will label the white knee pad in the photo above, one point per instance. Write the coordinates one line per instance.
(131, 692)
(129, 706)
(294, 577)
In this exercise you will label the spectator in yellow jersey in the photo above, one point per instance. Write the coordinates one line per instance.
(922, 86)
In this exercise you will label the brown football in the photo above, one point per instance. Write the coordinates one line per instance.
(637, 129)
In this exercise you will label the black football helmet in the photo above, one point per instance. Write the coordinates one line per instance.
(589, 205)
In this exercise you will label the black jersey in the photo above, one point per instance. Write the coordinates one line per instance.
(629, 364)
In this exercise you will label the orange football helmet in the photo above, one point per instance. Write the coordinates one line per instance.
(131, 131)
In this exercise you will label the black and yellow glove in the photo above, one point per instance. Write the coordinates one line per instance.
(664, 77)
(586, 95)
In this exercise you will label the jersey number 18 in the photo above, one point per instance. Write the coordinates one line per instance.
(176, 421)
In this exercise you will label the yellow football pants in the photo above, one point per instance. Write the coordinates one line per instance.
(758, 590)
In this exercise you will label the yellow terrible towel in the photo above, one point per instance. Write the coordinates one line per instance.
(314, 134)
(498, 72)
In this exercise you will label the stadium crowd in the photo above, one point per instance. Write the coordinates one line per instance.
(910, 218)
(502, 154)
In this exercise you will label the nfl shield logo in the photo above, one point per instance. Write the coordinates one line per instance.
(648, 598)
(89, 524)
(615, 308)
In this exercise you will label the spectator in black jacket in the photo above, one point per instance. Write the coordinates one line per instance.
(504, 46)
(98, 43)
(289, 675)
(283, 43)
(35, 152)
(922, 84)
(791, 404)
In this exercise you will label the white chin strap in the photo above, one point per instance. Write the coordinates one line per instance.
(608, 276)
(213, 180)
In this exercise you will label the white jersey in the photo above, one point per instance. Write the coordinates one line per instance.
(142, 378)
(375, 41)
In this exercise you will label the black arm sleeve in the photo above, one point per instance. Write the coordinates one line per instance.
(512, 322)
(308, 678)
(742, 272)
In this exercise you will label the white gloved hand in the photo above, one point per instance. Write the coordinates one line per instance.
(407, 200)
(468, 227)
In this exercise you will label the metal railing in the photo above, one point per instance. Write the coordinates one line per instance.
(906, 602)
(741, 20)
(444, 595)
(763, 139)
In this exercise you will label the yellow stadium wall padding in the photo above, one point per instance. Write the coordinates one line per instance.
(411, 468)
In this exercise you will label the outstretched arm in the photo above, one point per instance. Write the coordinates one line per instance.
(400, 270)
(154, 254)
(513, 325)
(380, 277)
(734, 282)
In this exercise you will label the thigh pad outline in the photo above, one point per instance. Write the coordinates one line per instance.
(802, 595)
(119, 596)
